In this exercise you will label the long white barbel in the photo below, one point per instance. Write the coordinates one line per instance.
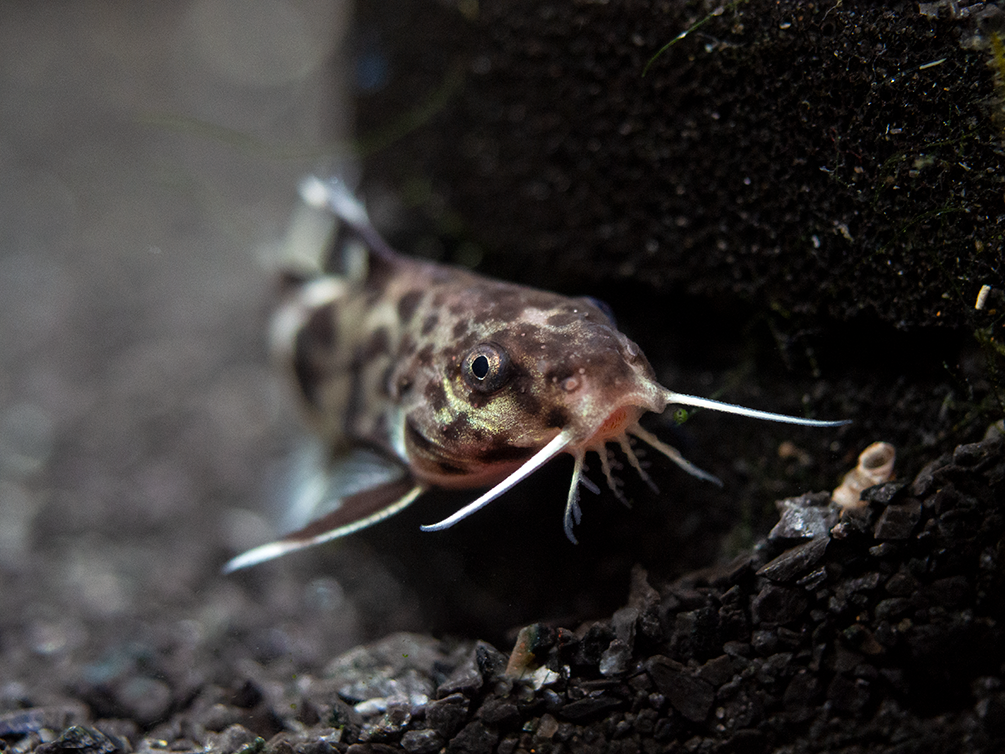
(731, 408)
(536, 461)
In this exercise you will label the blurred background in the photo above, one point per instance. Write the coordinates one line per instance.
(149, 156)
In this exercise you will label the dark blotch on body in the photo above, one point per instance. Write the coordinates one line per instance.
(407, 346)
(558, 417)
(376, 345)
(407, 305)
(435, 396)
(430, 323)
(425, 355)
(312, 348)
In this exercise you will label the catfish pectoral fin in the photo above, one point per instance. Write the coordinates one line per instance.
(356, 512)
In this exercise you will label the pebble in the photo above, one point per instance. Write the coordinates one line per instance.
(688, 694)
(616, 659)
(474, 738)
(795, 561)
(805, 517)
(898, 521)
(424, 741)
(446, 715)
(582, 709)
(776, 605)
(78, 738)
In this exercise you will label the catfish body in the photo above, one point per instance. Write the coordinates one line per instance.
(460, 377)
(454, 380)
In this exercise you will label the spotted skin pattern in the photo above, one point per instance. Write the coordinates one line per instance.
(460, 380)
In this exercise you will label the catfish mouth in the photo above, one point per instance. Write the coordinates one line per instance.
(619, 426)
(615, 425)
(434, 465)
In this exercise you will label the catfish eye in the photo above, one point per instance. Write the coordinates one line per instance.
(486, 368)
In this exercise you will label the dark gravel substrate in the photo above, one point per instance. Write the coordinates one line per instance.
(883, 632)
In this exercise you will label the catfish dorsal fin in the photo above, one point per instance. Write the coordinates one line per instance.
(334, 195)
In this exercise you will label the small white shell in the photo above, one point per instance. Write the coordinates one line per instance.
(982, 297)
(875, 466)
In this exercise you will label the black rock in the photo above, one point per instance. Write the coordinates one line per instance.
(421, 741)
(795, 561)
(446, 715)
(388, 727)
(694, 633)
(882, 494)
(369, 748)
(949, 592)
(496, 710)
(848, 695)
(747, 741)
(901, 584)
(801, 695)
(592, 646)
(491, 662)
(808, 516)
(813, 579)
(466, 679)
(582, 709)
(765, 642)
(891, 609)
(970, 454)
(717, 670)
(21, 722)
(775, 605)
(688, 694)
(475, 738)
(898, 521)
(925, 479)
(81, 739)
(616, 659)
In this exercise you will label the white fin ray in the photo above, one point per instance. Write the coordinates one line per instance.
(672, 453)
(317, 491)
(731, 408)
(336, 197)
(282, 547)
(573, 513)
(605, 466)
(589, 483)
(536, 461)
(633, 460)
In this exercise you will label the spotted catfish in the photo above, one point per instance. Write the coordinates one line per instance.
(417, 375)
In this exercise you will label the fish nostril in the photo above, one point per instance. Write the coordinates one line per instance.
(571, 384)
(632, 352)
